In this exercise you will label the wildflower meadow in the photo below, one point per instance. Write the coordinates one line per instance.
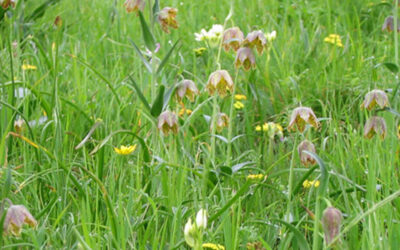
(230, 124)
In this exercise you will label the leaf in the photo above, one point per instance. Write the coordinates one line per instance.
(168, 95)
(148, 37)
(225, 170)
(156, 8)
(144, 60)
(91, 131)
(140, 94)
(39, 11)
(301, 240)
(158, 104)
(165, 59)
(239, 166)
(394, 68)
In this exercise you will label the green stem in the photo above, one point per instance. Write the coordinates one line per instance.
(229, 153)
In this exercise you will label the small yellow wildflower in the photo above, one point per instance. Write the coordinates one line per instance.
(213, 246)
(125, 150)
(183, 111)
(238, 105)
(199, 51)
(28, 67)
(239, 97)
(264, 127)
(256, 177)
(309, 184)
(334, 39)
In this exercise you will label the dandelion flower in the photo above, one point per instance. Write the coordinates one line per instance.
(125, 150)
(238, 105)
(213, 246)
(240, 97)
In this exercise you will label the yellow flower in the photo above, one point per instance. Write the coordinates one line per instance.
(213, 246)
(199, 51)
(309, 184)
(334, 39)
(264, 127)
(239, 97)
(256, 177)
(123, 150)
(238, 105)
(28, 67)
(183, 111)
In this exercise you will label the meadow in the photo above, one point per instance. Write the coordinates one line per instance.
(229, 124)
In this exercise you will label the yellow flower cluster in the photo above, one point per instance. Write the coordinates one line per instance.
(334, 39)
(272, 129)
(28, 67)
(309, 184)
(238, 104)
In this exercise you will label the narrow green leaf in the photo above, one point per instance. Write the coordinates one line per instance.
(394, 68)
(301, 240)
(144, 60)
(156, 8)
(168, 95)
(39, 11)
(158, 102)
(165, 59)
(148, 37)
(140, 94)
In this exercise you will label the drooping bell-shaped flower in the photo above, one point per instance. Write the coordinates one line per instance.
(168, 122)
(219, 81)
(186, 88)
(232, 39)
(375, 97)
(16, 217)
(305, 158)
(375, 125)
(256, 39)
(331, 220)
(167, 19)
(302, 116)
(245, 57)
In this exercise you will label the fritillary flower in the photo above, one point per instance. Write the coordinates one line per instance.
(221, 82)
(167, 19)
(232, 39)
(305, 158)
(245, 57)
(375, 97)
(375, 125)
(302, 116)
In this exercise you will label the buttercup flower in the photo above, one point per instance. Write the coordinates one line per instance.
(167, 18)
(16, 217)
(232, 39)
(134, 5)
(125, 150)
(167, 121)
(185, 111)
(256, 177)
(302, 116)
(220, 81)
(374, 97)
(221, 122)
(190, 233)
(375, 125)
(388, 25)
(309, 184)
(238, 105)
(272, 129)
(186, 88)
(256, 39)
(331, 219)
(213, 246)
(245, 57)
(305, 158)
(201, 219)
(334, 39)
(212, 36)
(28, 67)
(239, 97)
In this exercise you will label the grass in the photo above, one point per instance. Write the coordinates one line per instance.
(96, 92)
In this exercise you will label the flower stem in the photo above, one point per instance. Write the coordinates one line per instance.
(229, 151)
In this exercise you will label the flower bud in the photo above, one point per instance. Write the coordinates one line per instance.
(256, 39)
(190, 233)
(220, 81)
(375, 97)
(221, 122)
(201, 219)
(305, 158)
(167, 18)
(375, 125)
(187, 88)
(16, 217)
(134, 5)
(245, 57)
(167, 121)
(331, 220)
(388, 24)
(7, 3)
(232, 39)
(302, 116)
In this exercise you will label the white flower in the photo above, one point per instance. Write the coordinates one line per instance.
(201, 219)
(216, 30)
(271, 36)
(212, 36)
(189, 233)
